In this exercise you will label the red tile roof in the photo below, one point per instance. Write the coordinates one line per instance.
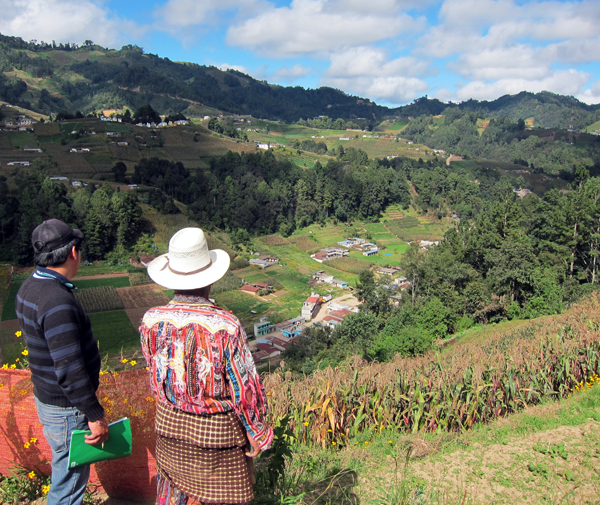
(312, 299)
(250, 289)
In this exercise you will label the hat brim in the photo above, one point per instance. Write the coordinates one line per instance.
(160, 273)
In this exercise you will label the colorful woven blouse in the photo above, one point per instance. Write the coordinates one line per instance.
(200, 362)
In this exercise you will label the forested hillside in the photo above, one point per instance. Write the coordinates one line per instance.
(50, 77)
(502, 138)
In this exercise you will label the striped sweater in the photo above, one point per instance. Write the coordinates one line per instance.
(63, 354)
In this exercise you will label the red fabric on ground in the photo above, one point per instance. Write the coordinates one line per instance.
(124, 394)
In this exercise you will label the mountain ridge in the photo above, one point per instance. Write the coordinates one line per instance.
(47, 78)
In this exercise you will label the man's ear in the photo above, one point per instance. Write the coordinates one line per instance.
(74, 253)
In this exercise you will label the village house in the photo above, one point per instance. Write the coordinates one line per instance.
(335, 317)
(263, 327)
(391, 270)
(424, 244)
(80, 150)
(372, 250)
(247, 288)
(264, 261)
(351, 242)
(291, 328)
(329, 253)
(333, 306)
(32, 150)
(311, 307)
(322, 277)
(22, 163)
(338, 283)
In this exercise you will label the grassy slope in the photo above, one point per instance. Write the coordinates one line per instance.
(513, 460)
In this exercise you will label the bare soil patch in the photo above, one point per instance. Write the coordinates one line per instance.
(101, 276)
(142, 297)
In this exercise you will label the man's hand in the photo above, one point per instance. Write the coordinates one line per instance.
(255, 447)
(99, 432)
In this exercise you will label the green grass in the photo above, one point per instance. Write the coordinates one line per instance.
(116, 282)
(103, 268)
(399, 125)
(12, 351)
(593, 127)
(114, 331)
(117, 127)
(241, 304)
(23, 139)
(8, 309)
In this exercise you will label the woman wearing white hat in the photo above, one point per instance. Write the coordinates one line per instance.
(211, 405)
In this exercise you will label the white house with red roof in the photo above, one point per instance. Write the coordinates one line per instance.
(311, 307)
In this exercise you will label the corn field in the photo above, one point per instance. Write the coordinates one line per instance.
(443, 392)
(99, 299)
(274, 240)
(347, 264)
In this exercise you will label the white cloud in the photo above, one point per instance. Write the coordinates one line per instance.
(471, 25)
(64, 21)
(320, 26)
(564, 82)
(368, 71)
(392, 89)
(591, 95)
(176, 14)
(517, 61)
(285, 74)
(239, 68)
(370, 61)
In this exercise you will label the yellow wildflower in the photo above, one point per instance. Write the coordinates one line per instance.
(33, 441)
(133, 362)
(31, 474)
(13, 366)
(305, 423)
(26, 445)
(124, 360)
(5, 366)
(18, 333)
(115, 374)
(45, 489)
(149, 399)
(24, 352)
(333, 443)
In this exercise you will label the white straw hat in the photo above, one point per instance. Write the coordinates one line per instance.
(189, 264)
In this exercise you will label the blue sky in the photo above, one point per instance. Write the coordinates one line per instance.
(391, 51)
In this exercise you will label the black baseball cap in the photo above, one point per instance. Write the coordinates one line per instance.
(53, 234)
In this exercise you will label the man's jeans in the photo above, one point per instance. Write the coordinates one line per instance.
(68, 485)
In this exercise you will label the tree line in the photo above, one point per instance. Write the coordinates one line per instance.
(515, 259)
(111, 220)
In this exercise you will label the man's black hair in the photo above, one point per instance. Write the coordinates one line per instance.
(58, 256)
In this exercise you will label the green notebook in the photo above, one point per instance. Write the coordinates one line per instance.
(118, 445)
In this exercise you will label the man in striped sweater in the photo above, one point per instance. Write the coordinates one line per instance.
(63, 355)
